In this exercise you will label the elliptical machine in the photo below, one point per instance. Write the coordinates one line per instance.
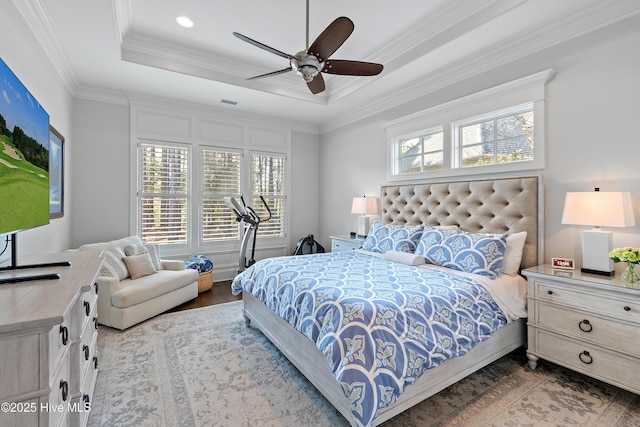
(250, 222)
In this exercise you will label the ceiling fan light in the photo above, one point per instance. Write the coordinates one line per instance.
(307, 72)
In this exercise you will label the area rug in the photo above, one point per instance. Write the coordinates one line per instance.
(204, 367)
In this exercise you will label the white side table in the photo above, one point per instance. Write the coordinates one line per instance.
(345, 242)
(585, 322)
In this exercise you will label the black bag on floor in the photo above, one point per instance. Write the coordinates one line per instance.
(308, 245)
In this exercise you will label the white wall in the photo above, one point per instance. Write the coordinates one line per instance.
(592, 140)
(22, 53)
(102, 167)
(103, 186)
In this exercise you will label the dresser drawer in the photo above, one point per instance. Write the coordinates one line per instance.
(59, 396)
(589, 359)
(592, 300)
(585, 325)
(345, 245)
(59, 341)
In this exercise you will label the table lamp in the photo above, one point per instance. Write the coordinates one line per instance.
(598, 208)
(364, 206)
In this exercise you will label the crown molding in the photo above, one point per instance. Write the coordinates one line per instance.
(37, 21)
(159, 103)
(586, 20)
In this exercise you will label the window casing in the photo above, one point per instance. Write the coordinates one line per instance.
(490, 132)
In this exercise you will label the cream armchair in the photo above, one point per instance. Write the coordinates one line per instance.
(133, 287)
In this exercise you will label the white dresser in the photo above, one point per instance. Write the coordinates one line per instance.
(48, 338)
(345, 243)
(585, 322)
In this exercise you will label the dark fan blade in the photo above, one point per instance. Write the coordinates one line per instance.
(273, 73)
(262, 46)
(331, 38)
(317, 84)
(351, 68)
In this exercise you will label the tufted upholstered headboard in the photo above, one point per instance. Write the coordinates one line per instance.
(489, 206)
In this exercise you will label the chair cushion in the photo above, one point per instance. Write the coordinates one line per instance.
(148, 287)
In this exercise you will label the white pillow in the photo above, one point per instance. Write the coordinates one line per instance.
(513, 253)
(404, 257)
(113, 265)
(139, 265)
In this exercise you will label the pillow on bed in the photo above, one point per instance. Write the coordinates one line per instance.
(513, 253)
(430, 236)
(387, 237)
(404, 258)
(464, 251)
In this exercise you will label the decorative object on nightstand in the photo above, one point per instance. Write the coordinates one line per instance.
(364, 206)
(345, 243)
(631, 257)
(586, 323)
(598, 208)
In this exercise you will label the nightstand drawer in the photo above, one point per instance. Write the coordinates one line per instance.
(592, 360)
(589, 327)
(592, 300)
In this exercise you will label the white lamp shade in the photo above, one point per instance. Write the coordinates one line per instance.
(365, 205)
(598, 208)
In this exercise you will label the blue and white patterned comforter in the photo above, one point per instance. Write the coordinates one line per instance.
(380, 324)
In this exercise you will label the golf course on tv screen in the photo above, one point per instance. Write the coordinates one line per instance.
(24, 156)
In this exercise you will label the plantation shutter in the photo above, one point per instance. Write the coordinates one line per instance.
(163, 192)
(268, 180)
(220, 178)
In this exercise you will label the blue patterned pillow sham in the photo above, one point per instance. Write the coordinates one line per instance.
(387, 237)
(464, 251)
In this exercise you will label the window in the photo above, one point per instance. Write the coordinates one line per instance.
(163, 192)
(268, 180)
(422, 153)
(168, 206)
(501, 137)
(498, 130)
(220, 178)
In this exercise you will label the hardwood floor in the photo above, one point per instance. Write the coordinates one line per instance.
(219, 293)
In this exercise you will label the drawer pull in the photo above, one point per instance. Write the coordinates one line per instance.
(85, 350)
(87, 308)
(64, 333)
(587, 326)
(95, 323)
(627, 308)
(95, 287)
(95, 362)
(64, 387)
(86, 399)
(550, 292)
(585, 358)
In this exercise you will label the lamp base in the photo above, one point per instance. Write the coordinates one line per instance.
(598, 272)
(596, 245)
(363, 226)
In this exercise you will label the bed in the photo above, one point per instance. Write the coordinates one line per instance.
(305, 305)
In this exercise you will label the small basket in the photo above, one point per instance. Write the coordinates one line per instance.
(205, 281)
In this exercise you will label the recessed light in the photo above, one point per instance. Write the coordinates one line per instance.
(184, 21)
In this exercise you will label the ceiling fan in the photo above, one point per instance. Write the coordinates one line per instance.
(315, 60)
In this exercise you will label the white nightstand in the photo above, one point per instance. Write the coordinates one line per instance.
(345, 243)
(585, 322)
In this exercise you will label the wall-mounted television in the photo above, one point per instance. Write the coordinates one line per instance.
(24, 156)
(24, 159)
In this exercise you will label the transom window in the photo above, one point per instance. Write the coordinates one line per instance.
(422, 153)
(505, 137)
(495, 131)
